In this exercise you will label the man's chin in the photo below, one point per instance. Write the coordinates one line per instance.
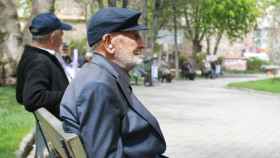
(139, 61)
(135, 63)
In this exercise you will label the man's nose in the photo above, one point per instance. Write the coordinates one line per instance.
(141, 43)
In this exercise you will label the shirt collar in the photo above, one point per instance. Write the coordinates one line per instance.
(52, 52)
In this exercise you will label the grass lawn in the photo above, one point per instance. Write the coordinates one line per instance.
(268, 85)
(15, 122)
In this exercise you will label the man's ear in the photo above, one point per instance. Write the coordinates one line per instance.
(107, 38)
(52, 37)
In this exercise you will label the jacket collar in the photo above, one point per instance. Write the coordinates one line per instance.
(101, 61)
(52, 52)
(49, 55)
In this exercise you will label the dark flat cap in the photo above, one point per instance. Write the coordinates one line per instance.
(112, 19)
(47, 22)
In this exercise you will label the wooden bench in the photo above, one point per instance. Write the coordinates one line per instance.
(63, 145)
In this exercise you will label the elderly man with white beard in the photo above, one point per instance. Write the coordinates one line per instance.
(99, 104)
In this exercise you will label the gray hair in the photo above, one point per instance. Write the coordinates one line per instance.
(41, 38)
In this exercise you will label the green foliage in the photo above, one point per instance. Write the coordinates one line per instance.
(268, 3)
(157, 48)
(220, 60)
(81, 45)
(15, 122)
(199, 58)
(254, 64)
(268, 85)
(182, 58)
(24, 7)
(237, 18)
(203, 18)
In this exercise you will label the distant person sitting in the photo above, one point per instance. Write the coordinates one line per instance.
(164, 72)
(206, 69)
(137, 72)
(188, 70)
(66, 53)
(213, 69)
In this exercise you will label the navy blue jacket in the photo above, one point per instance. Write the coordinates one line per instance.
(99, 106)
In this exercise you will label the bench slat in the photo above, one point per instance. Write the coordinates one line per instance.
(56, 137)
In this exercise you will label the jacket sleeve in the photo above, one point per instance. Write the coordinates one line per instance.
(36, 90)
(100, 123)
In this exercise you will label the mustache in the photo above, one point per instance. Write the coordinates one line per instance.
(138, 52)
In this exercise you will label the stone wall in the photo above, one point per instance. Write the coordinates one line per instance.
(75, 14)
(235, 64)
(78, 33)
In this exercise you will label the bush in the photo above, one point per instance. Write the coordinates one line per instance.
(220, 60)
(254, 64)
(199, 58)
(81, 45)
(182, 58)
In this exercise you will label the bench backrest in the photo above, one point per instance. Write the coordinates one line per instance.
(65, 145)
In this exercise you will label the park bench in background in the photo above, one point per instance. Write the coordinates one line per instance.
(63, 145)
(271, 70)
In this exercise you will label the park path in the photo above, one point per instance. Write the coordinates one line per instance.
(203, 119)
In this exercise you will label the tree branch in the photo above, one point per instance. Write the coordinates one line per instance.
(188, 26)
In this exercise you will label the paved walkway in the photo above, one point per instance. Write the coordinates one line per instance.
(202, 119)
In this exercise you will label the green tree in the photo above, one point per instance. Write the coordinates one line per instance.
(233, 18)
(205, 18)
(157, 17)
(176, 52)
(91, 6)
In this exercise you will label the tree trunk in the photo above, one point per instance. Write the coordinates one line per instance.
(100, 4)
(208, 45)
(145, 17)
(112, 3)
(176, 53)
(218, 40)
(10, 37)
(3, 74)
(196, 46)
(125, 3)
(156, 8)
(88, 10)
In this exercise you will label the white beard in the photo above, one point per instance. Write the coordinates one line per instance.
(128, 60)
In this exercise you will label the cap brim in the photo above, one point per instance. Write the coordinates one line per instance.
(136, 28)
(66, 27)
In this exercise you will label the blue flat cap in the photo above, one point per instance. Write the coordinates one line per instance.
(45, 23)
(112, 19)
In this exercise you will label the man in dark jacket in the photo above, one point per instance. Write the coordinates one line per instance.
(99, 104)
(41, 80)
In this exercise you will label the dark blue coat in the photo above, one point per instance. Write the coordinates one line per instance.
(112, 123)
